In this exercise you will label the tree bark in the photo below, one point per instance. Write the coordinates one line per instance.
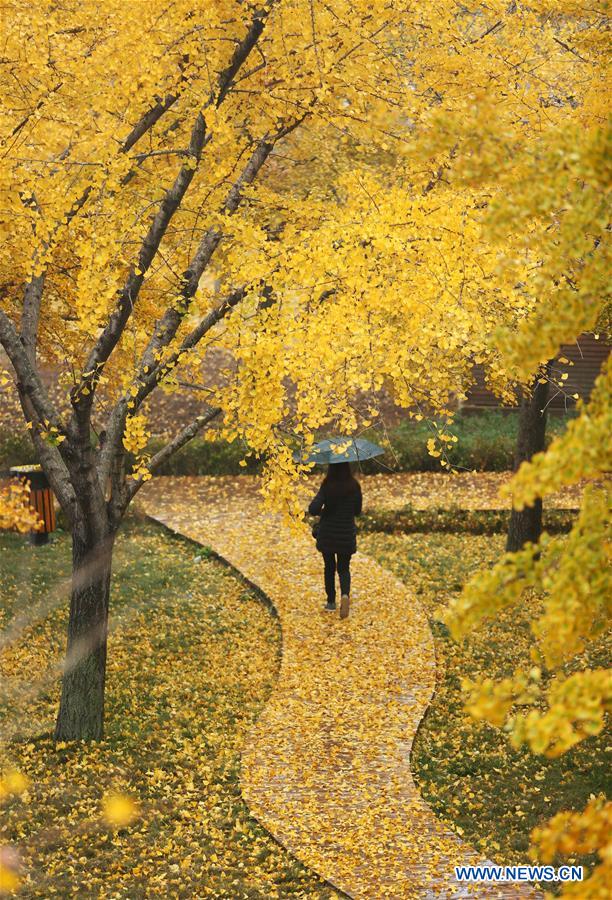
(81, 710)
(526, 524)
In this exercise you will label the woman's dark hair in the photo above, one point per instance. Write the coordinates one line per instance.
(339, 480)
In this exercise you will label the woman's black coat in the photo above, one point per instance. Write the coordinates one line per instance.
(337, 531)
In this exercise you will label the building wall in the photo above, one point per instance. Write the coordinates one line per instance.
(588, 355)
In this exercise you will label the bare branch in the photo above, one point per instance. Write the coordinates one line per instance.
(152, 379)
(209, 320)
(31, 312)
(570, 50)
(54, 467)
(34, 109)
(489, 30)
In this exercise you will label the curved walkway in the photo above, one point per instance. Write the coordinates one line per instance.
(327, 770)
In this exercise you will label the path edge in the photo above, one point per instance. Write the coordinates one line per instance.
(267, 601)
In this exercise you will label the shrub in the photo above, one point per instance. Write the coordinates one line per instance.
(485, 443)
(201, 457)
(16, 449)
(470, 521)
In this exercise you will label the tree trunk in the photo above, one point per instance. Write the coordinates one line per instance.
(81, 710)
(526, 524)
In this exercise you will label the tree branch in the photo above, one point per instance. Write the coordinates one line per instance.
(92, 482)
(570, 50)
(168, 325)
(34, 109)
(145, 383)
(82, 395)
(54, 466)
(225, 81)
(31, 313)
(119, 318)
(148, 120)
(28, 379)
(38, 409)
(34, 288)
(183, 437)
(489, 31)
(241, 52)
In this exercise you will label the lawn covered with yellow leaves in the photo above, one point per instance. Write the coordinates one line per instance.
(491, 794)
(155, 809)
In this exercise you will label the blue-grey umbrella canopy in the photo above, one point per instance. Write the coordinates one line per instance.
(342, 449)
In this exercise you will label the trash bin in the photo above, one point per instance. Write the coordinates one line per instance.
(41, 498)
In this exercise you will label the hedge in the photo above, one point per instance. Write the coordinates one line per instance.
(485, 443)
(455, 519)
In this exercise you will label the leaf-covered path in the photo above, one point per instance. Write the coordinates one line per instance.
(327, 768)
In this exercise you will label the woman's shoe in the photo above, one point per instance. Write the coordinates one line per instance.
(344, 606)
(330, 606)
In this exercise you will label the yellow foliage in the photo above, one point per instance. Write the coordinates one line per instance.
(576, 710)
(119, 810)
(551, 168)
(358, 246)
(9, 879)
(135, 439)
(432, 190)
(16, 510)
(588, 831)
(13, 782)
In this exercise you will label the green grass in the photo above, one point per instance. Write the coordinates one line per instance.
(192, 659)
(493, 795)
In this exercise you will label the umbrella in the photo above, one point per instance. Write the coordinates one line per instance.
(342, 449)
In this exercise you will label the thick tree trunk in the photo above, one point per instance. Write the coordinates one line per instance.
(81, 711)
(526, 524)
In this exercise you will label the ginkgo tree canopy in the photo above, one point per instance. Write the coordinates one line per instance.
(258, 176)
(343, 194)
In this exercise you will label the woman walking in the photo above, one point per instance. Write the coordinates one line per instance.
(338, 501)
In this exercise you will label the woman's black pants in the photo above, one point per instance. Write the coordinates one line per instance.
(341, 562)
